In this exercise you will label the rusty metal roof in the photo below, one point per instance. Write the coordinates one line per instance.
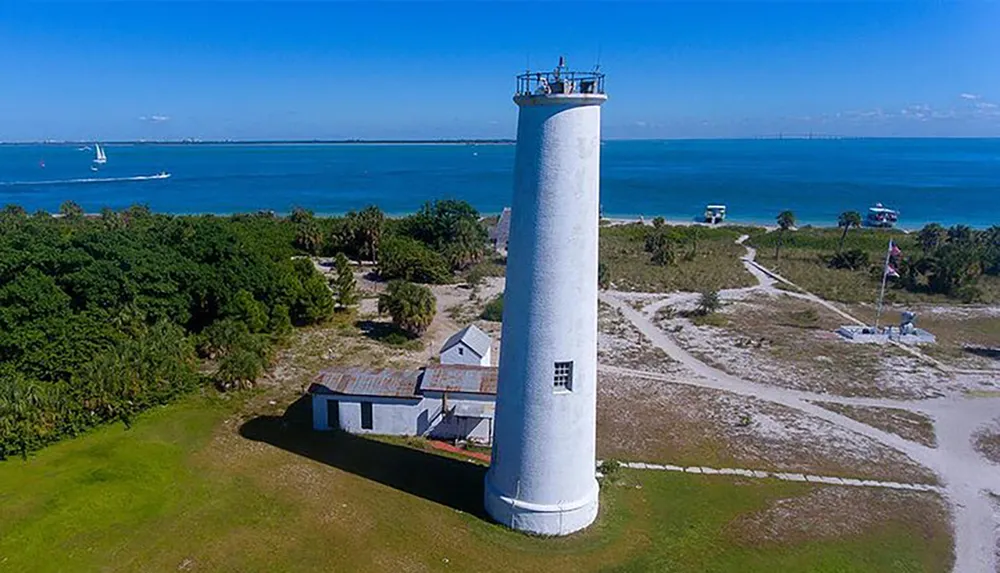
(460, 378)
(367, 382)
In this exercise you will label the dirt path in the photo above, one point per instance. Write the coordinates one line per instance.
(970, 482)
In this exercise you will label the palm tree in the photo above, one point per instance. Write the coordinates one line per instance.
(931, 237)
(847, 220)
(786, 220)
(370, 222)
(467, 244)
(411, 306)
(309, 237)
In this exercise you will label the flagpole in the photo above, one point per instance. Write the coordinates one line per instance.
(881, 294)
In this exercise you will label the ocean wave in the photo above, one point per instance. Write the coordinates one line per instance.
(83, 180)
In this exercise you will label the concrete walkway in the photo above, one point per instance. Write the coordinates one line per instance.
(968, 479)
(784, 476)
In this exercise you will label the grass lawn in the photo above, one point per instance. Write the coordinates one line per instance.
(198, 486)
(714, 265)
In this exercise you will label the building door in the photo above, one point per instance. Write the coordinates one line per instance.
(333, 414)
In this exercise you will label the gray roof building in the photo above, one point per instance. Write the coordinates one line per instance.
(386, 382)
(460, 378)
(477, 340)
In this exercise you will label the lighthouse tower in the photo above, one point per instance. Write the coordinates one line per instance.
(541, 479)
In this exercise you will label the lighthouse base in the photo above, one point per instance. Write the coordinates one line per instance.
(542, 519)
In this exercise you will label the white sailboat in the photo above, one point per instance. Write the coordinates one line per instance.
(101, 158)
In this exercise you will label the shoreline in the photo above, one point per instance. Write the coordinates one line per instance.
(610, 220)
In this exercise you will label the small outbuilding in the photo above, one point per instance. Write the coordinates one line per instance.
(469, 346)
(444, 402)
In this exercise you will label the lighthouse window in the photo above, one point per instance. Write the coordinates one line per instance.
(563, 379)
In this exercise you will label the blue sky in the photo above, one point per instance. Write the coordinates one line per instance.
(128, 69)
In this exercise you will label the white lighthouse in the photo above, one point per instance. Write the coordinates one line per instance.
(542, 476)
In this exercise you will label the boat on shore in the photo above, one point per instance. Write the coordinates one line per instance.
(715, 214)
(881, 216)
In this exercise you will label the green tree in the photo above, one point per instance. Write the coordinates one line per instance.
(931, 237)
(411, 306)
(786, 220)
(300, 216)
(248, 310)
(370, 222)
(344, 285)
(111, 219)
(961, 234)
(309, 237)
(313, 301)
(847, 220)
(22, 405)
(467, 244)
(662, 244)
(12, 215)
(409, 259)
(658, 222)
(71, 211)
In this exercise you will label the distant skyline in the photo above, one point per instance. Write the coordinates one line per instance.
(133, 70)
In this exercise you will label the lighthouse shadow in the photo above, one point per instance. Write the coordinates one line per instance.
(450, 482)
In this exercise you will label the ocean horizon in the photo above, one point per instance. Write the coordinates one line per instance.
(944, 180)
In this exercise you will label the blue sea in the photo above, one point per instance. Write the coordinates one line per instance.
(944, 180)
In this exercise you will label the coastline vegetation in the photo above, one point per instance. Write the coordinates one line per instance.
(959, 263)
(102, 317)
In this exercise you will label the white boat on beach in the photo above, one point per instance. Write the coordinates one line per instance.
(715, 214)
(881, 216)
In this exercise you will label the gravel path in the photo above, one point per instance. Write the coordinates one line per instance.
(969, 480)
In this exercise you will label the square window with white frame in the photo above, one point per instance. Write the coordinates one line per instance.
(563, 378)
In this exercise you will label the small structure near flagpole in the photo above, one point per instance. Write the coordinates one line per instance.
(906, 332)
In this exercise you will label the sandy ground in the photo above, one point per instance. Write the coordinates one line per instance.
(656, 421)
(761, 345)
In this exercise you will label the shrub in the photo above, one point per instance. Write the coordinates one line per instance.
(609, 468)
(854, 259)
(494, 309)
(708, 302)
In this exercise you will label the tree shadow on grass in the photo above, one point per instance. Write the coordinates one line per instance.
(447, 481)
(388, 333)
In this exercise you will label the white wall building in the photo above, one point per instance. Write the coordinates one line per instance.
(468, 346)
(443, 402)
(542, 477)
